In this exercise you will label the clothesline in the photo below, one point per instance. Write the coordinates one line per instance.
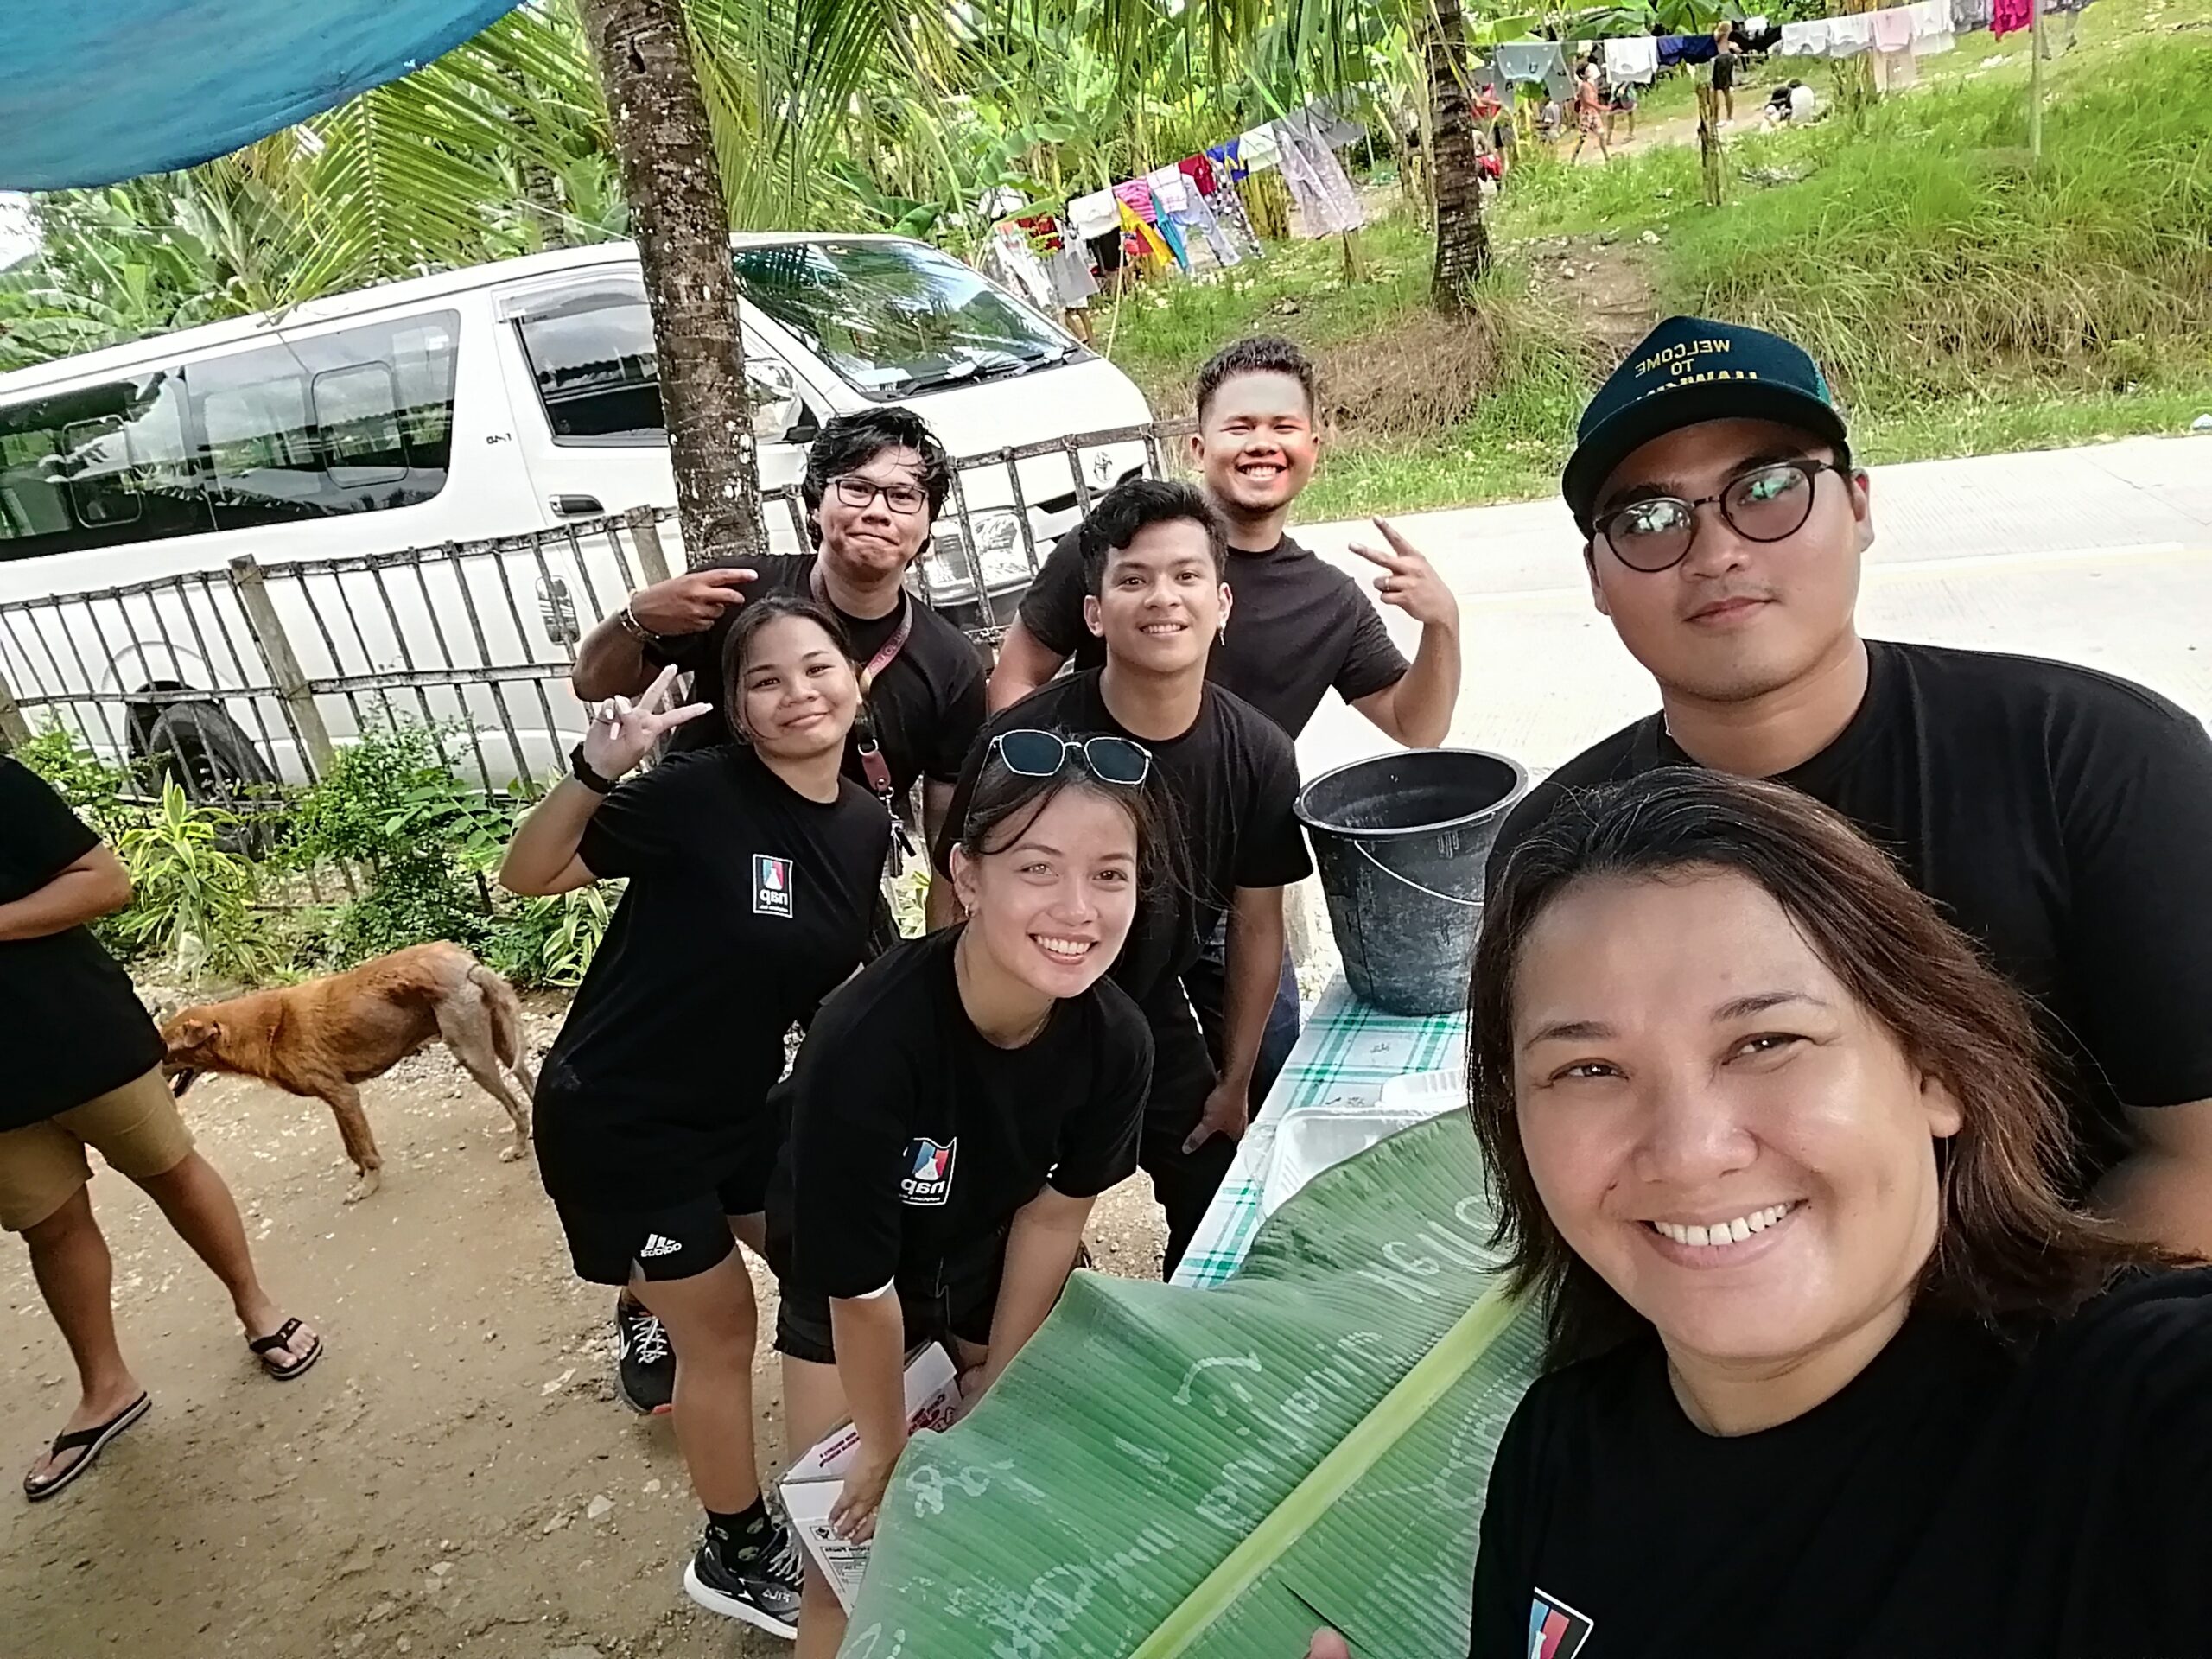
(1163, 217)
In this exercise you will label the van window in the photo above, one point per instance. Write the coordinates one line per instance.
(597, 374)
(353, 421)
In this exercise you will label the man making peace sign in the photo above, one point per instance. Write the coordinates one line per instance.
(1299, 627)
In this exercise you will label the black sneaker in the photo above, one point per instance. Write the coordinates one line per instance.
(645, 1365)
(757, 1583)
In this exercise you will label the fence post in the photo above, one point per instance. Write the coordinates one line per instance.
(652, 562)
(283, 666)
(15, 730)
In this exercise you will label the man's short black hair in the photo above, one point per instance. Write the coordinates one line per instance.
(1128, 507)
(850, 442)
(1255, 354)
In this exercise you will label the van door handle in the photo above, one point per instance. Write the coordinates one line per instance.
(576, 506)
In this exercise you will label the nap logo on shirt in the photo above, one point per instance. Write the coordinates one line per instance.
(928, 1171)
(771, 885)
(1556, 1629)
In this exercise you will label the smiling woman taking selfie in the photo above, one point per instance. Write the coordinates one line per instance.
(752, 871)
(958, 1108)
(1833, 1370)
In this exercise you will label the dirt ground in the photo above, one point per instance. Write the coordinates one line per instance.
(454, 1478)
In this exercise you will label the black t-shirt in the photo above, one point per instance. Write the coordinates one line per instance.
(926, 706)
(747, 903)
(2060, 815)
(914, 1140)
(1228, 786)
(77, 1027)
(2049, 1499)
(1297, 627)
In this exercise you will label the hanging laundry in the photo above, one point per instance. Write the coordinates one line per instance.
(1333, 127)
(1931, 27)
(1262, 149)
(1183, 209)
(2061, 7)
(1807, 40)
(1225, 157)
(1072, 283)
(1893, 30)
(1687, 49)
(1008, 258)
(1528, 61)
(1043, 231)
(1136, 195)
(1967, 16)
(1228, 205)
(2011, 17)
(1849, 36)
(1326, 202)
(1632, 62)
(1199, 170)
(1754, 25)
(1142, 239)
(1094, 215)
(1170, 190)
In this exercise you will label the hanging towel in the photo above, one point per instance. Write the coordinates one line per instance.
(1261, 149)
(1141, 238)
(1069, 272)
(1805, 40)
(1326, 202)
(1199, 170)
(1687, 49)
(1632, 62)
(1849, 36)
(1967, 16)
(2010, 16)
(1169, 190)
(1094, 215)
(1754, 25)
(1931, 27)
(1136, 195)
(1893, 30)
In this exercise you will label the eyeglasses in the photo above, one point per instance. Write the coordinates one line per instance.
(1768, 503)
(904, 499)
(1029, 753)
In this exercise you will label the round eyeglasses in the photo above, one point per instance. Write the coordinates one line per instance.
(904, 499)
(1768, 503)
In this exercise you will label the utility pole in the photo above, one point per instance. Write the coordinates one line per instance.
(2035, 81)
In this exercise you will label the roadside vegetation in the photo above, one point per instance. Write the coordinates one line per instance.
(1965, 300)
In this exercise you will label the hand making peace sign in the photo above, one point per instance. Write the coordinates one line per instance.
(623, 733)
(1409, 580)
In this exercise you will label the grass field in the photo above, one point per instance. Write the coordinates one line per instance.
(1964, 299)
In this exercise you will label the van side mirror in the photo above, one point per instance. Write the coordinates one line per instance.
(775, 398)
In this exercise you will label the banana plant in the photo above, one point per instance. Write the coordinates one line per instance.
(1216, 1473)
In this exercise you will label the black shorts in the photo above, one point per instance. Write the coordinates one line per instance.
(677, 1240)
(959, 1307)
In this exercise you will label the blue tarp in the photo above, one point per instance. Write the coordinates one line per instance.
(95, 90)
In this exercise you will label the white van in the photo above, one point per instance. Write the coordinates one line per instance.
(322, 441)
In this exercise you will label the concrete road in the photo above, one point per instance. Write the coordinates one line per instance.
(2098, 555)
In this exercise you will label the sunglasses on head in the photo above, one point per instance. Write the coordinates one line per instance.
(1029, 753)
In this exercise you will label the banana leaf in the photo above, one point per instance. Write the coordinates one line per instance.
(1216, 1472)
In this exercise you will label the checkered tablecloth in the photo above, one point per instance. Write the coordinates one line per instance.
(1345, 1055)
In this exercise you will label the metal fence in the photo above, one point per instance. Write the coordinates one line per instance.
(258, 672)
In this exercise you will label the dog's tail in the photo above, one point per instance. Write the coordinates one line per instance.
(505, 1009)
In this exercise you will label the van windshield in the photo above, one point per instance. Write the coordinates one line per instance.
(896, 317)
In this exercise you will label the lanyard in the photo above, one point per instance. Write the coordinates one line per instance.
(874, 766)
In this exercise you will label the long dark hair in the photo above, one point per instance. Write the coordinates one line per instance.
(2008, 1246)
(737, 646)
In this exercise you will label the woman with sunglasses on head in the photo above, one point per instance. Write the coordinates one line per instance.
(1777, 1147)
(752, 871)
(957, 1108)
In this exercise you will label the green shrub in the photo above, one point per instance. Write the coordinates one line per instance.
(192, 902)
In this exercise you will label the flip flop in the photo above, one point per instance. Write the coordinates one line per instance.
(275, 1342)
(91, 1442)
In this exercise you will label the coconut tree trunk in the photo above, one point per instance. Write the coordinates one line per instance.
(1462, 238)
(666, 157)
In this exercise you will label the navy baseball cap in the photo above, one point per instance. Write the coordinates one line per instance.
(1685, 371)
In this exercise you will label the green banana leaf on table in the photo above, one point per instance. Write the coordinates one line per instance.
(1217, 1472)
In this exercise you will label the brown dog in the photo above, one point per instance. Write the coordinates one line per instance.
(321, 1037)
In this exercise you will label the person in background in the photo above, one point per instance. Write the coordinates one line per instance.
(1772, 1143)
(1301, 626)
(956, 1111)
(1589, 114)
(754, 873)
(1156, 561)
(85, 1070)
(874, 485)
(1726, 51)
(1547, 120)
(1804, 105)
(2059, 814)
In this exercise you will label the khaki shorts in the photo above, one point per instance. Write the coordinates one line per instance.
(137, 1128)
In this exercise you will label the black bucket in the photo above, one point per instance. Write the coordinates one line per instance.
(1400, 840)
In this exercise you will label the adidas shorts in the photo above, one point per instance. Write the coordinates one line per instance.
(668, 1241)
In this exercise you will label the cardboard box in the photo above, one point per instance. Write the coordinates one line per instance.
(809, 1489)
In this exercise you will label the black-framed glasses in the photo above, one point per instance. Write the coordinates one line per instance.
(1029, 753)
(1768, 503)
(904, 499)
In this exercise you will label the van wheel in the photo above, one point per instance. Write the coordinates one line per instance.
(201, 750)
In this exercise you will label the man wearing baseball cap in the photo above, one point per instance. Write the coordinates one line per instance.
(2063, 817)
